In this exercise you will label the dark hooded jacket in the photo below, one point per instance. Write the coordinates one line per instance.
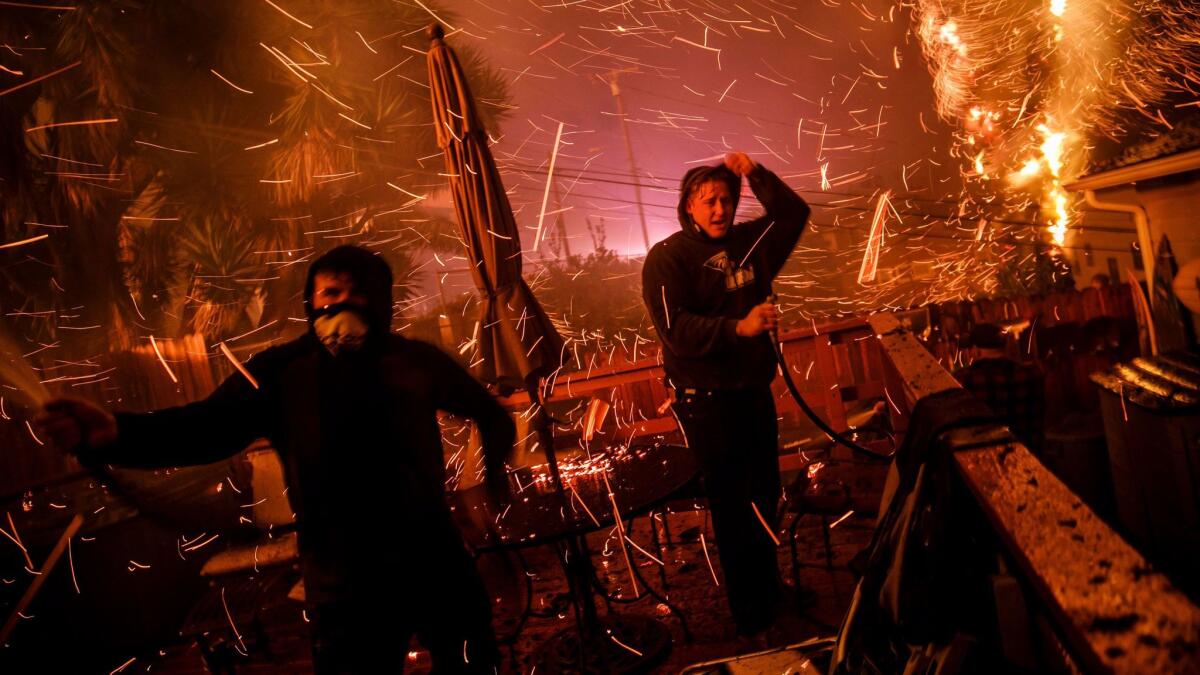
(359, 440)
(697, 288)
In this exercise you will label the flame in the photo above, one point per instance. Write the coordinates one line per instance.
(948, 33)
(1052, 148)
(870, 261)
(1061, 79)
(1052, 154)
(1058, 227)
(1032, 168)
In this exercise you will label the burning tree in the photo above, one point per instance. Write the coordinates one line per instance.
(1034, 87)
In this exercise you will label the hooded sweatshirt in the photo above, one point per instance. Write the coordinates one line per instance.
(697, 288)
(359, 440)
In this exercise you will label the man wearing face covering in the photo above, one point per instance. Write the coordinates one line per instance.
(352, 410)
(708, 291)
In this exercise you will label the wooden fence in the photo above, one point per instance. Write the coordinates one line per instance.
(837, 365)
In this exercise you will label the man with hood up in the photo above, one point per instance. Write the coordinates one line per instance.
(352, 410)
(708, 292)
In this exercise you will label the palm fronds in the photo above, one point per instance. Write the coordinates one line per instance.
(242, 147)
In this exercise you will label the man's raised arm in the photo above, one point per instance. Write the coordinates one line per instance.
(778, 231)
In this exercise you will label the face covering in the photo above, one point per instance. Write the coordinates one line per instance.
(341, 328)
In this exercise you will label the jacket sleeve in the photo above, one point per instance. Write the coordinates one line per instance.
(457, 392)
(668, 297)
(775, 234)
(202, 432)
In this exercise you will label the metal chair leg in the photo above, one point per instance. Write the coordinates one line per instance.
(794, 549)
(828, 546)
(666, 526)
(662, 569)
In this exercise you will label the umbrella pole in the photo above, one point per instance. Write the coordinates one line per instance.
(36, 586)
(577, 559)
(542, 423)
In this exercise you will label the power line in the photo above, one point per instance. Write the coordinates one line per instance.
(588, 171)
(609, 181)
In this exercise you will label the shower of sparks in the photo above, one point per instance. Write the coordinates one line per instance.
(77, 123)
(163, 361)
(17, 372)
(16, 539)
(840, 519)
(643, 551)
(23, 242)
(537, 239)
(1085, 69)
(964, 161)
(584, 505)
(707, 559)
(621, 533)
(622, 644)
(71, 564)
(238, 364)
(827, 144)
(33, 434)
(596, 413)
(870, 261)
(121, 668)
(288, 15)
(237, 634)
(770, 532)
(26, 83)
(226, 81)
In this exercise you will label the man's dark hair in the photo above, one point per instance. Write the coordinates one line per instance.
(987, 336)
(697, 176)
(369, 273)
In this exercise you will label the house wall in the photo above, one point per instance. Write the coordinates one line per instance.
(1101, 236)
(1172, 205)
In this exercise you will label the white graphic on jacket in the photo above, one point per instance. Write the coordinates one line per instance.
(735, 278)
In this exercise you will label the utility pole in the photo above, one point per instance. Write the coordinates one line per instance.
(633, 170)
(441, 290)
(445, 328)
(560, 222)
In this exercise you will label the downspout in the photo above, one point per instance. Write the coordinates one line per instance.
(1143, 231)
(1144, 243)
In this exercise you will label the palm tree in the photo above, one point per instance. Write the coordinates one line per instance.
(246, 142)
(62, 180)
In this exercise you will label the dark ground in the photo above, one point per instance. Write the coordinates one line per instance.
(278, 644)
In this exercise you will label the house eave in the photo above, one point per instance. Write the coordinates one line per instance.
(1155, 168)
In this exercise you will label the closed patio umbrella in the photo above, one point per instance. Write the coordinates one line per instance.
(517, 342)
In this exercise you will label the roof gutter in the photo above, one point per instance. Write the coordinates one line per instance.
(1146, 245)
(1155, 168)
(1182, 162)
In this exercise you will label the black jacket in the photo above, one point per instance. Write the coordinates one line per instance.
(697, 288)
(360, 443)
